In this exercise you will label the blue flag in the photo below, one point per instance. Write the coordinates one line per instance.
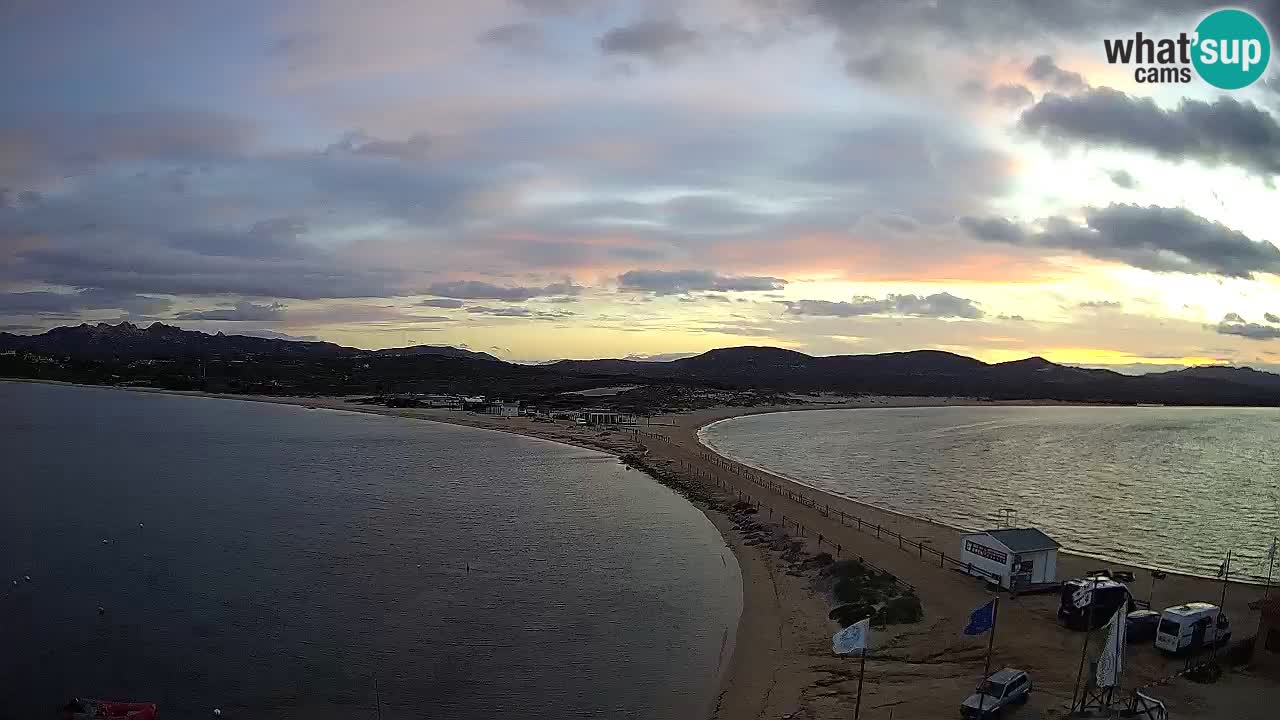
(981, 620)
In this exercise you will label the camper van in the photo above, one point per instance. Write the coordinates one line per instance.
(1189, 627)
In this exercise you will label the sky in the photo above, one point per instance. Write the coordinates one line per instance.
(543, 179)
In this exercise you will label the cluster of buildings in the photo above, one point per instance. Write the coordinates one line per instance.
(499, 408)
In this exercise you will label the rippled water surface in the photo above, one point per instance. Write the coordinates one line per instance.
(1169, 487)
(276, 561)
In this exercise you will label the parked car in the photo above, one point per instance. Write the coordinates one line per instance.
(1140, 626)
(1004, 688)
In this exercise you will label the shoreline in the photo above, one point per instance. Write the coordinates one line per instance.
(780, 663)
(1064, 550)
(739, 658)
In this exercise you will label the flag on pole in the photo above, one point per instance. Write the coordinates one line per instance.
(981, 619)
(1222, 569)
(1111, 660)
(1271, 551)
(852, 638)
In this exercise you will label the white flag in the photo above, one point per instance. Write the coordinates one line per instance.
(1111, 661)
(852, 638)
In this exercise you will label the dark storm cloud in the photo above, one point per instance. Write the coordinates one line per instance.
(478, 290)
(1123, 179)
(1046, 72)
(938, 305)
(654, 39)
(1224, 131)
(1152, 238)
(1233, 324)
(39, 302)
(446, 303)
(241, 312)
(675, 282)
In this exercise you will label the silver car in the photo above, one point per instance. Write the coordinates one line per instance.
(1004, 688)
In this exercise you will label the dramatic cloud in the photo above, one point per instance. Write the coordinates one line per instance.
(1224, 131)
(664, 282)
(44, 302)
(478, 290)
(1233, 324)
(1152, 238)
(240, 312)
(1044, 71)
(938, 305)
(447, 303)
(654, 39)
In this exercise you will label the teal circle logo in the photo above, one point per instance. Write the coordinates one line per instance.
(1232, 49)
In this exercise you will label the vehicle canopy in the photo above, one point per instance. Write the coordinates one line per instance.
(1088, 603)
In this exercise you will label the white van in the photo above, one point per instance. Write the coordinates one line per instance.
(1179, 625)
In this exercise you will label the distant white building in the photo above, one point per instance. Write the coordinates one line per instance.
(605, 417)
(1019, 557)
(502, 409)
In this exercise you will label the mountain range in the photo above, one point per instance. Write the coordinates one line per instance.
(127, 341)
(769, 369)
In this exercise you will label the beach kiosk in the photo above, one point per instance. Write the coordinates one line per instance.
(1013, 558)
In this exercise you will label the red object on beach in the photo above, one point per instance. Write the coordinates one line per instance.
(131, 711)
(87, 709)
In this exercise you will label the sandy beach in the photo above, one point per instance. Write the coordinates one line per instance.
(782, 665)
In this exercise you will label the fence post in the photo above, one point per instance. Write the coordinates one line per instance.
(877, 532)
(837, 549)
(899, 541)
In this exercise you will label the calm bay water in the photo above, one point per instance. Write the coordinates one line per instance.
(1165, 487)
(276, 561)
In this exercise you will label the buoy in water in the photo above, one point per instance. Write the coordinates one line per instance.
(217, 712)
(27, 578)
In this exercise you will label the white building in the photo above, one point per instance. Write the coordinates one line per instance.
(605, 417)
(503, 409)
(1019, 557)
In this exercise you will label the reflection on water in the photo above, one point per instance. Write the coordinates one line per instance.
(274, 561)
(1170, 487)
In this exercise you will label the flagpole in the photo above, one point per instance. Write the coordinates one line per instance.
(862, 671)
(991, 641)
(1222, 604)
(1084, 650)
(1271, 564)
